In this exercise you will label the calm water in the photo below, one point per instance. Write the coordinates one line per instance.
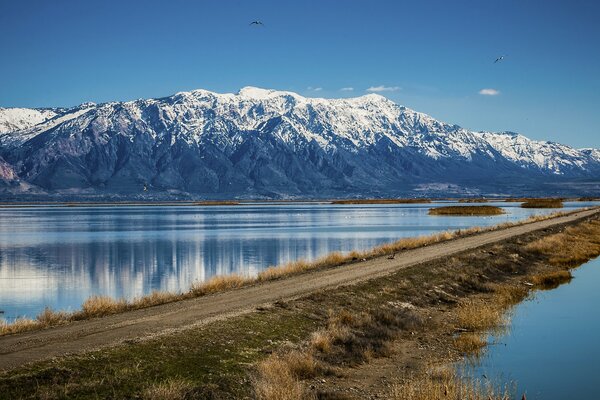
(59, 256)
(552, 351)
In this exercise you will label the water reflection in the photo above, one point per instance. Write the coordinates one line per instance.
(59, 256)
(552, 350)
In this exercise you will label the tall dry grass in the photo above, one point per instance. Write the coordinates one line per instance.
(476, 317)
(279, 377)
(447, 385)
(218, 283)
(574, 246)
(101, 306)
(479, 315)
(553, 279)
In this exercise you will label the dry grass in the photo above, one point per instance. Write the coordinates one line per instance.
(48, 317)
(574, 246)
(348, 339)
(478, 315)
(484, 314)
(278, 380)
(506, 295)
(154, 299)
(218, 283)
(19, 325)
(466, 210)
(543, 203)
(381, 201)
(100, 306)
(447, 385)
(552, 279)
(470, 342)
(173, 389)
(299, 266)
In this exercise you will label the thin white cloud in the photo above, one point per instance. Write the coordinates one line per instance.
(489, 92)
(315, 89)
(347, 89)
(382, 88)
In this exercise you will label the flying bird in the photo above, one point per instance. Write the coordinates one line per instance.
(257, 23)
(501, 58)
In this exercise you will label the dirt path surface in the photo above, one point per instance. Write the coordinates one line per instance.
(20, 349)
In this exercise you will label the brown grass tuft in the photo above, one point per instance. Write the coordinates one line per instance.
(49, 317)
(98, 306)
(219, 283)
(154, 299)
(19, 325)
(277, 379)
(478, 315)
(542, 203)
(471, 343)
(466, 210)
(447, 385)
(553, 279)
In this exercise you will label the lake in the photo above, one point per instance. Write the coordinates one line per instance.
(59, 256)
(551, 351)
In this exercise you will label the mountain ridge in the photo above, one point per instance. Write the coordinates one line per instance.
(268, 144)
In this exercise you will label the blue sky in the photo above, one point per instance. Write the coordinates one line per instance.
(432, 56)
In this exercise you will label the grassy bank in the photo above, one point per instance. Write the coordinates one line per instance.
(466, 210)
(98, 306)
(316, 346)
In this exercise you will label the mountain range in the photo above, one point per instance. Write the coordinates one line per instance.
(262, 143)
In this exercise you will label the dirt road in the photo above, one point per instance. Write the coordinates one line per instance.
(20, 349)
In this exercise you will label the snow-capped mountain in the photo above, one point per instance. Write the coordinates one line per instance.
(268, 143)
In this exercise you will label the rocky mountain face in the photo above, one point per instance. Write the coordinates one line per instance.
(271, 144)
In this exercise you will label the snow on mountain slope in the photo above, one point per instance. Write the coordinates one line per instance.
(549, 156)
(16, 119)
(268, 141)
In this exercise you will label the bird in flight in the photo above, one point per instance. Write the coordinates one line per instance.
(257, 23)
(501, 58)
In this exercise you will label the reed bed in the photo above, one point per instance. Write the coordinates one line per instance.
(98, 306)
(542, 203)
(466, 210)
